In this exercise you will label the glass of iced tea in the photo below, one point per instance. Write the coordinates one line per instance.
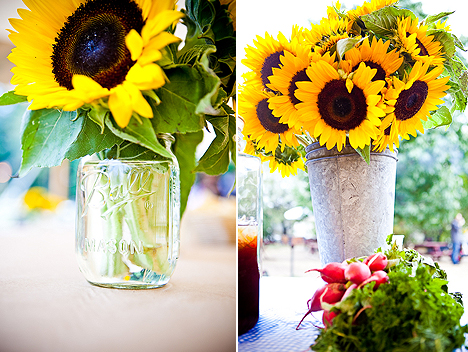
(248, 276)
(249, 225)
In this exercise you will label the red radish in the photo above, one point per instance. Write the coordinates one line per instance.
(376, 262)
(328, 316)
(349, 290)
(380, 277)
(357, 272)
(330, 293)
(333, 293)
(332, 272)
(315, 304)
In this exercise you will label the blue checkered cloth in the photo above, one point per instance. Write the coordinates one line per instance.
(283, 303)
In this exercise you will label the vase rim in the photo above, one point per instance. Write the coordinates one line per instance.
(315, 152)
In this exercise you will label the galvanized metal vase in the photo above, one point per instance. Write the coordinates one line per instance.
(353, 201)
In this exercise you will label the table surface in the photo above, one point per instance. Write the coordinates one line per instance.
(47, 305)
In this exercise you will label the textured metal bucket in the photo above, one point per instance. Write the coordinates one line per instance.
(353, 202)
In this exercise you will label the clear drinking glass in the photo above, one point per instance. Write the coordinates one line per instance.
(127, 224)
(249, 225)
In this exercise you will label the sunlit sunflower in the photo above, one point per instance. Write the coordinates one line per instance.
(369, 7)
(415, 41)
(250, 148)
(388, 137)
(322, 37)
(413, 98)
(285, 169)
(286, 161)
(284, 79)
(333, 107)
(332, 11)
(260, 124)
(442, 25)
(77, 52)
(374, 55)
(265, 56)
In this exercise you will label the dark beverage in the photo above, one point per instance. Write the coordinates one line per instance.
(248, 278)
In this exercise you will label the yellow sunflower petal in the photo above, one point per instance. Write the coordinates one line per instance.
(134, 43)
(120, 104)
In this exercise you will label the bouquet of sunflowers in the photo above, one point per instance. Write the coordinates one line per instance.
(366, 77)
(109, 77)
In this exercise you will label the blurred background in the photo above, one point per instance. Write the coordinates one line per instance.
(432, 171)
(44, 198)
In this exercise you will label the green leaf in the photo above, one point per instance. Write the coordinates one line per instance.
(215, 164)
(435, 18)
(216, 159)
(441, 117)
(10, 98)
(200, 15)
(364, 153)
(446, 39)
(184, 148)
(98, 115)
(458, 82)
(130, 151)
(47, 135)
(384, 22)
(90, 140)
(139, 133)
(183, 98)
(458, 42)
(343, 45)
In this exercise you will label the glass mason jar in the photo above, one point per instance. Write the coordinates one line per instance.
(249, 225)
(127, 222)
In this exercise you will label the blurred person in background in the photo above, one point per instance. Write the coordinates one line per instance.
(456, 233)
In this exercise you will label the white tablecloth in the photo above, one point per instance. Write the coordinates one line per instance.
(47, 305)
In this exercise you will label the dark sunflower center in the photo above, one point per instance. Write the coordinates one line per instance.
(270, 62)
(92, 42)
(411, 100)
(422, 49)
(339, 108)
(387, 130)
(379, 75)
(267, 120)
(300, 76)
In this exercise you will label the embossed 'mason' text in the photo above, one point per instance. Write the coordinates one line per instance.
(112, 246)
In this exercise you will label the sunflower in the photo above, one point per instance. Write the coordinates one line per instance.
(333, 106)
(260, 124)
(369, 7)
(412, 99)
(284, 80)
(374, 55)
(287, 162)
(285, 169)
(82, 52)
(415, 41)
(265, 56)
(332, 11)
(323, 37)
(388, 137)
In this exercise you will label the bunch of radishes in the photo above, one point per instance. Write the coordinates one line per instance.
(342, 279)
